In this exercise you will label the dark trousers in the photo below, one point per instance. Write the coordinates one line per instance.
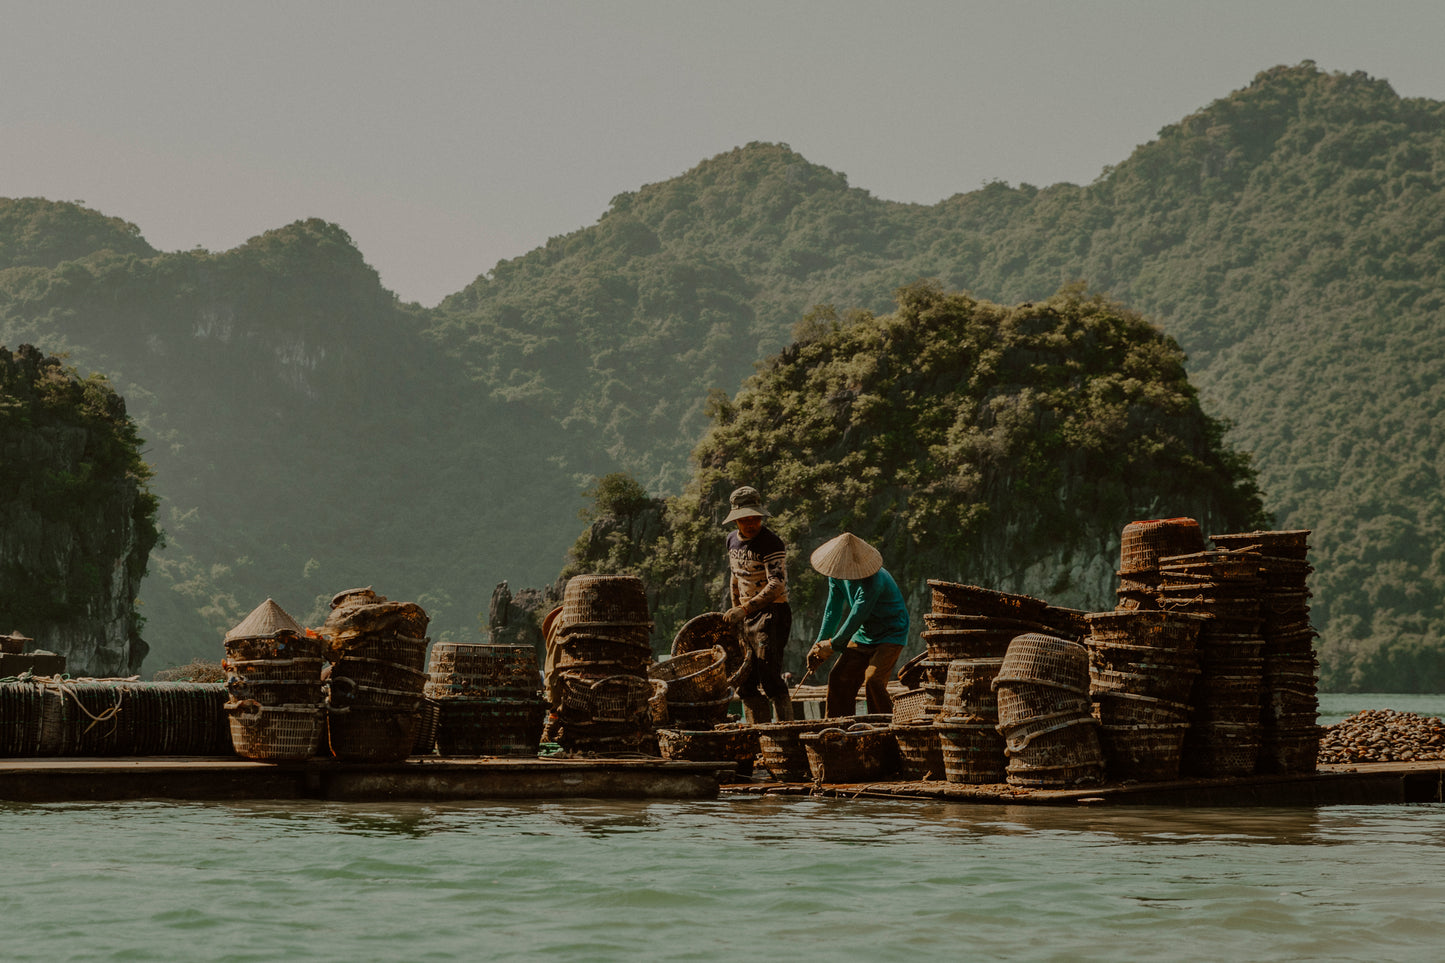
(767, 631)
(868, 666)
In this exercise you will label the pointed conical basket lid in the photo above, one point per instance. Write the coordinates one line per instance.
(846, 556)
(266, 621)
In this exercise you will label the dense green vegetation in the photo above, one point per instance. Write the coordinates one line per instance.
(308, 431)
(77, 520)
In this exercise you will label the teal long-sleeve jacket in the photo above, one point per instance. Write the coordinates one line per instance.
(869, 611)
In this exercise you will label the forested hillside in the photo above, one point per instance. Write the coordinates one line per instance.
(308, 431)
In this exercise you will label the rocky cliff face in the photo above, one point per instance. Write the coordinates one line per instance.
(77, 522)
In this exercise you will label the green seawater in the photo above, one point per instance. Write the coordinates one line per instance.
(735, 878)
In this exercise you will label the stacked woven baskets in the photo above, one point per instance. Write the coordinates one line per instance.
(1142, 666)
(604, 700)
(1141, 545)
(1289, 736)
(1044, 714)
(488, 699)
(273, 667)
(1222, 587)
(378, 672)
(968, 633)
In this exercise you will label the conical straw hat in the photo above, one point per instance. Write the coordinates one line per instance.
(846, 556)
(266, 621)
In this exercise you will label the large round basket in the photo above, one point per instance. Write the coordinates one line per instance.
(604, 598)
(1045, 660)
(1142, 544)
(856, 754)
(698, 676)
(973, 754)
(372, 735)
(712, 629)
(737, 744)
(920, 752)
(953, 598)
(275, 733)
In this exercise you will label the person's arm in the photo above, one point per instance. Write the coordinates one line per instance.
(776, 566)
(834, 608)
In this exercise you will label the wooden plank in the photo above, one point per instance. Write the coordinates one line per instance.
(434, 778)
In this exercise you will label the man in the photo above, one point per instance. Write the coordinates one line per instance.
(758, 600)
(865, 622)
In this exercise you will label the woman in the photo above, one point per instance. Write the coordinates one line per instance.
(865, 622)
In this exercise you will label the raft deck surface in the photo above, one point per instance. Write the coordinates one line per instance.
(438, 779)
(1354, 784)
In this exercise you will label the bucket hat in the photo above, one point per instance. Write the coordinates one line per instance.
(846, 556)
(745, 501)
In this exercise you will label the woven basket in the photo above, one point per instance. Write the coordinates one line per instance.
(1143, 753)
(489, 727)
(281, 692)
(616, 699)
(909, 707)
(968, 691)
(1290, 750)
(945, 621)
(1073, 742)
(698, 716)
(1116, 709)
(920, 752)
(698, 676)
(780, 747)
(859, 753)
(385, 649)
(604, 598)
(582, 649)
(1149, 628)
(953, 598)
(476, 671)
(1045, 660)
(1143, 543)
(346, 693)
(972, 754)
(948, 645)
(429, 712)
(275, 733)
(738, 745)
(285, 646)
(1171, 683)
(1288, 544)
(1054, 777)
(712, 629)
(1022, 703)
(371, 734)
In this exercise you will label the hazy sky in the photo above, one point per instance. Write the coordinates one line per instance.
(447, 136)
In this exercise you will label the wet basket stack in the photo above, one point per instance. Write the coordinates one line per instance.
(273, 667)
(1141, 545)
(488, 698)
(920, 748)
(968, 632)
(1289, 734)
(1222, 587)
(378, 672)
(1044, 714)
(604, 700)
(1142, 666)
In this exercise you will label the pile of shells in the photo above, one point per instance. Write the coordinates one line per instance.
(1383, 735)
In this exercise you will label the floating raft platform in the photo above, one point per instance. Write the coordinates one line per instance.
(1331, 785)
(419, 779)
